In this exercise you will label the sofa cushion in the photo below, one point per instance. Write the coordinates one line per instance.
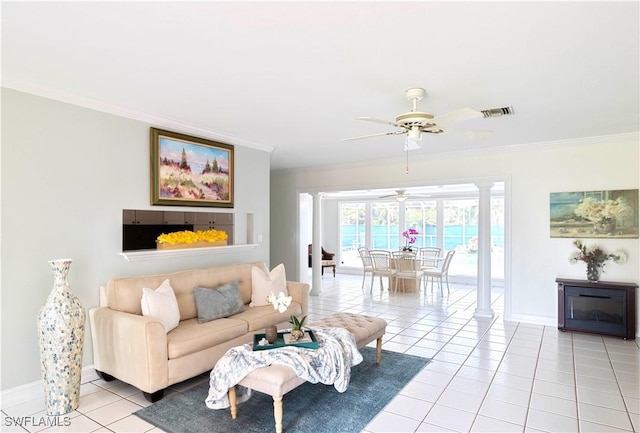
(161, 304)
(265, 283)
(216, 303)
(191, 336)
(258, 318)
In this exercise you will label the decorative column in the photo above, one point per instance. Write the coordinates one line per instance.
(316, 253)
(483, 302)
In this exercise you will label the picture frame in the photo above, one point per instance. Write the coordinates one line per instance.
(190, 171)
(594, 214)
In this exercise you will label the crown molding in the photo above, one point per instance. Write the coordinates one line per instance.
(117, 110)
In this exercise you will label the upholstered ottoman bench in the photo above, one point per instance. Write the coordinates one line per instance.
(276, 380)
(364, 328)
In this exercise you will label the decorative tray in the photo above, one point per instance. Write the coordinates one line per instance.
(308, 341)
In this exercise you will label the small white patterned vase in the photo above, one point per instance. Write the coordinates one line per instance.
(61, 330)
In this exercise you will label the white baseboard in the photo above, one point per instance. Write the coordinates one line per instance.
(534, 320)
(35, 390)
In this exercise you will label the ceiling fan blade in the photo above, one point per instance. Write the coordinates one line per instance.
(399, 193)
(373, 119)
(469, 133)
(460, 115)
(375, 135)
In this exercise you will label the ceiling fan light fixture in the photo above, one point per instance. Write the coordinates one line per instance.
(414, 139)
(401, 198)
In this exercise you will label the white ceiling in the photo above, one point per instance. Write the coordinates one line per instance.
(292, 76)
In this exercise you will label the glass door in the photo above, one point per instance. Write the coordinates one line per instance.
(353, 232)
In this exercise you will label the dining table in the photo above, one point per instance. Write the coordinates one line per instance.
(410, 285)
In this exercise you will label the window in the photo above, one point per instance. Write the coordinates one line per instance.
(497, 237)
(422, 215)
(384, 224)
(460, 227)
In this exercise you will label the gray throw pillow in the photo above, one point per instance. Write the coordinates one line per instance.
(220, 302)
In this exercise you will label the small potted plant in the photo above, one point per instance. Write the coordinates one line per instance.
(296, 327)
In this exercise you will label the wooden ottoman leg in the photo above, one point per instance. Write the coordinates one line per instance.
(277, 413)
(232, 402)
(378, 350)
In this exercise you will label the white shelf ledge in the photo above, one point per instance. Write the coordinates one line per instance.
(142, 255)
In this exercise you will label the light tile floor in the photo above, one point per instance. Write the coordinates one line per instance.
(486, 375)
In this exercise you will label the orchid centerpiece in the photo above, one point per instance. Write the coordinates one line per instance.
(410, 238)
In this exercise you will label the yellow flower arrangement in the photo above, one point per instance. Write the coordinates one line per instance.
(189, 237)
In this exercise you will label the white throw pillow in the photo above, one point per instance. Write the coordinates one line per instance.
(263, 284)
(161, 304)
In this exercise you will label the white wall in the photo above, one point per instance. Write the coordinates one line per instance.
(331, 226)
(67, 173)
(532, 171)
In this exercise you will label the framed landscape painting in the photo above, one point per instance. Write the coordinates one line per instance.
(594, 214)
(190, 171)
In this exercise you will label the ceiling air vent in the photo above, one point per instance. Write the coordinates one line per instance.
(497, 112)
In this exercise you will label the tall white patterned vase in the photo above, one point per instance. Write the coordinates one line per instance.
(61, 330)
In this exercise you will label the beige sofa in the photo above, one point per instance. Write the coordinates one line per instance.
(136, 349)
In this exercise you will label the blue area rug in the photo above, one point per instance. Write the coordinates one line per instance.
(307, 409)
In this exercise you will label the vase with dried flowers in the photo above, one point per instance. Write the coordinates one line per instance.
(595, 258)
(410, 238)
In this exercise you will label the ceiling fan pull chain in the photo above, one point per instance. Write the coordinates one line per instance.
(407, 167)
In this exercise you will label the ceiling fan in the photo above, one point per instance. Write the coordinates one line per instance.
(401, 195)
(415, 122)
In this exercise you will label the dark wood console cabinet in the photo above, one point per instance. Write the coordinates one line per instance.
(605, 308)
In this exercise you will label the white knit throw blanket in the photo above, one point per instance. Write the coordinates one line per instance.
(329, 364)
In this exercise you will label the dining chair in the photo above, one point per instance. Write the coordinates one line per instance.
(408, 267)
(381, 260)
(367, 266)
(429, 256)
(441, 272)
